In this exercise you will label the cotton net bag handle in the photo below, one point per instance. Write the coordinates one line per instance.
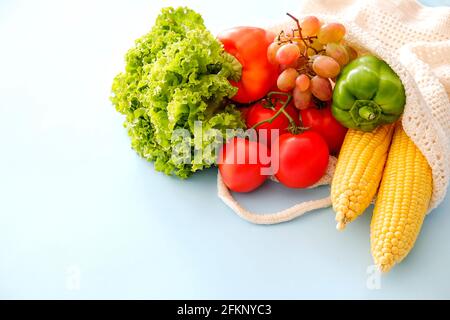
(415, 41)
(281, 216)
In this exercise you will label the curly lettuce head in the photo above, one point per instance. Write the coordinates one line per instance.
(174, 93)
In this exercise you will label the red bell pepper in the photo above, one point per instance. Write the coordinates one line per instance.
(249, 46)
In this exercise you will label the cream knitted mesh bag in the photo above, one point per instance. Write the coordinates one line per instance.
(415, 41)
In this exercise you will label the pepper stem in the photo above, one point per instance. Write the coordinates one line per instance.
(367, 113)
(236, 66)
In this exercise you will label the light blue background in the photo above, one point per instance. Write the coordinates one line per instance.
(75, 200)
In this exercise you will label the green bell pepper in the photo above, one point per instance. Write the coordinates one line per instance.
(368, 93)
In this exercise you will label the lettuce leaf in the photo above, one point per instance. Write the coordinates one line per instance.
(176, 80)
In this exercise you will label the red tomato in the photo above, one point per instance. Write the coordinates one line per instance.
(323, 122)
(302, 159)
(259, 112)
(241, 166)
(249, 45)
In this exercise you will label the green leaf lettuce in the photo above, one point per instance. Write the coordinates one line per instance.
(176, 77)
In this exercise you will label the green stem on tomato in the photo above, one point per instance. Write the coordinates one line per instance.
(293, 128)
(279, 111)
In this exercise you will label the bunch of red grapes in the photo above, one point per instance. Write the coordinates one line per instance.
(310, 57)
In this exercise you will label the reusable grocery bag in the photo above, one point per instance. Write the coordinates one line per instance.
(415, 41)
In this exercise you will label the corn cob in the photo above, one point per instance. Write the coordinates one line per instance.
(358, 172)
(402, 202)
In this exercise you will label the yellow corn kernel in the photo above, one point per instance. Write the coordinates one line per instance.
(358, 172)
(402, 202)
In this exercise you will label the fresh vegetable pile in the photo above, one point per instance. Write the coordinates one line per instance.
(303, 95)
(298, 109)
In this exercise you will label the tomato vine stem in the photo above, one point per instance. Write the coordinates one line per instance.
(293, 128)
(279, 111)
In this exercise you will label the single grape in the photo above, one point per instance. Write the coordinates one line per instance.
(338, 53)
(331, 32)
(288, 54)
(310, 26)
(301, 98)
(272, 52)
(302, 82)
(293, 65)
(315, 45)
(286, 80)
(301, 46)
(296, 65)
(352, 54)
(321, 88)
(326, 67)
